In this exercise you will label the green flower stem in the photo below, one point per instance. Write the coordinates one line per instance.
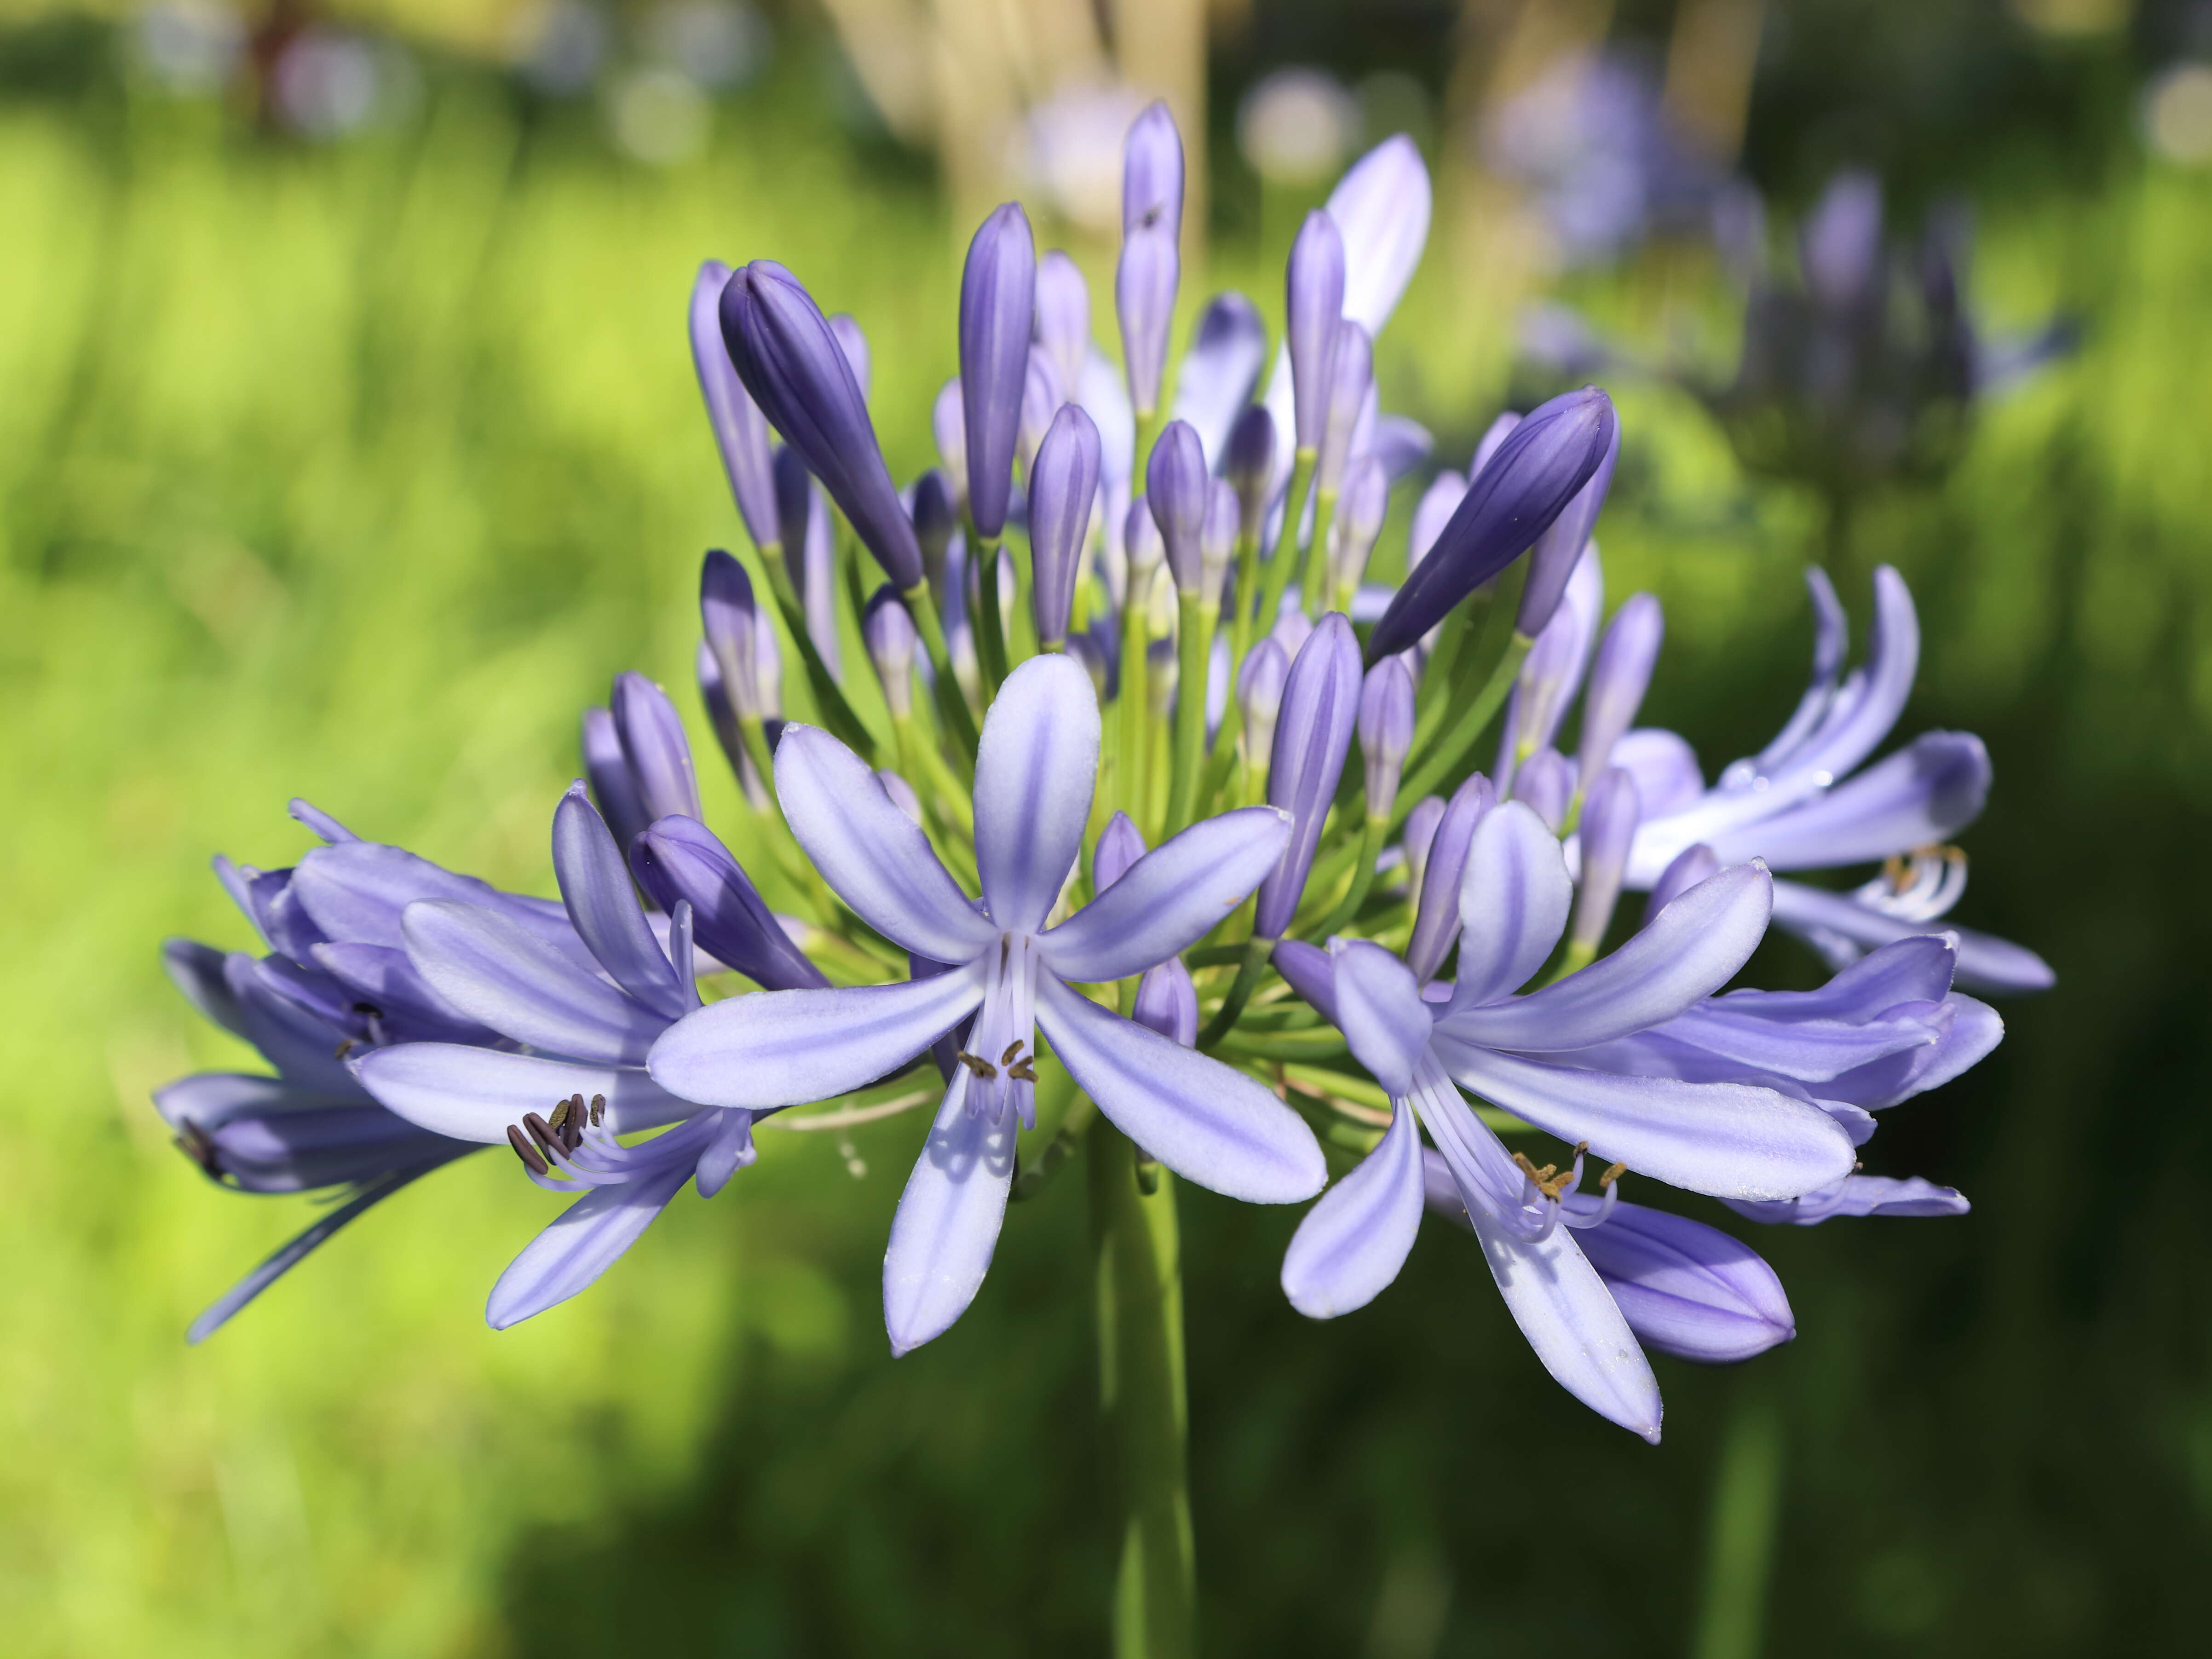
(1142, 1398)
(1747, 1506)
(837, 715)
(1451, 746)
(990, 626)
(944, 802)
(951, 706)
(1363, 878)
(1315, 585)
(1194, 624)
(1286, 543)
(1239, 625)
(1257, 950)
(1131, 764)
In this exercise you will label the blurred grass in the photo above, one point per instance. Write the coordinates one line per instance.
(356, 474)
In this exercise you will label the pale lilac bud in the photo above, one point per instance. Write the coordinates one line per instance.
(948, 425)
(614, 787)
(1260, 683)
(1552, 559)
(1430, 513)
(1359, 514)
(1063, 485)
(651, 733)
(1611, 812)
(1151, 174)
(740, 430)
(1553, 668)
(998, 312)
(1144, 300)
(936, 516)
(1176, 491)
(679, 860)
(1351, 383)
(1693, 864)
(1686, 1289)
(1421, 821)
(901, 793)
(1217, 545)
(1386, 732)
(1539, 467)
(1167, 1002)
(1493, 436)
(1040, 401)
(1618, 679)
(1437, 912)
(1063, 316)
(786, 353)
(731, 622)
(1545, 785)
(1121, 844)
(891, 637)
(1315, 293)
(853, 341)
(1313, 732)
(1249, 466)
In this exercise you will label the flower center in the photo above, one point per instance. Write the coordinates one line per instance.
(1006, 1027)
(1918, 886)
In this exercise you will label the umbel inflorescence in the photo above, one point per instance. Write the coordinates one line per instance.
(1100, 850)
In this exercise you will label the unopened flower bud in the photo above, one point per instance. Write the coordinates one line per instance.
(1359, 514)
(1142, 550)
(1430, 513)
(1152, 173)
(1552, 559)
(936, 516)
(1545, 785)
(1041, 400)
(1145, 283)
(1176, 491)
(651, 733)
(1167, 1002)
(889, 631)
(1611, 812)
(1315, 291)
(1247, 464)
(1619, 679)
(1421, 821)
(997, 310)
(948, 425)
(1218, 544)
(1063, 485)
(1386, 732)
(1260, 683)
(1352, 378)
(1220, 367)
(1687, 1289)
(1121, 844)
(1312, 731)
(613, 786)
(1063, 316)
(1436, 907)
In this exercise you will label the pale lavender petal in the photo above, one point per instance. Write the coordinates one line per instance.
(1170, 898)
(1860, 1196)
(473, 1094)
(1924, 794)
(948, 1220)
(1687, 1289)
(589, 1239)
(603, 907)
(1209, 1124)
(1514, 899)
(1311, 972)
(1380, 1012)
(1808, 1051)
(1437, 920)
(1967, 1031)
(1986, 963)
(1730, 1140)
(1831, 638)
(1693, 948)
(1353, 1242)
(1665, 768)
(1226, 350)
(480, 962)
(1910, 970)
(1692, 864)
(787, 1047)
(356, 893)
(730, 1150)
(1034, 771)
(874, 855)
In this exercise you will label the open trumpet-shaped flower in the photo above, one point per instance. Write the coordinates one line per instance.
(1035, 773)
(1730, 1139)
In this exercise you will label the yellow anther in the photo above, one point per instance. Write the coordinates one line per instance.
(1613, 1173)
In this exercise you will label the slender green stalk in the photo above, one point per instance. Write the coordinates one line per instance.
(1363, 878)
(1452, 745)
(1240, 620)
(990, 626)
(1286, 543)
(1313, 589)
(1745, 1501)
(951, 705)
(1142, 1398)
(1257, 950)
(1195, 625)
(828, 697)
(1131, 764)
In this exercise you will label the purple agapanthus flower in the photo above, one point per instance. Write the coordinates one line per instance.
(1004, 962)
(1726, 1138)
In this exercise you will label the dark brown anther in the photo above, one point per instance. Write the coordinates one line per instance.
(526, 1151)
(543, 1132)
(561, 1110)
(599, 1110)
(1012, 1050)
(343, 1049)
(196, 1144)
(1020, 1072)
(981, 1067)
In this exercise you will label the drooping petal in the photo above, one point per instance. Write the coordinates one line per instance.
(1860, 1196)
(473, 1094)
(481, 964)
(1925, 793)
(1514, 899)
(1207, 1122)
(874, 855)
(1380, 1012)
(356, 893)
(602, 906)
(1034, 771)
(1726, 1138)
(1808, 1051)
(787, 1047)
(1352, 1243)
(948, 1220)
(589, 1239)
(1689, 950)
(1665, 768)
(1986, 963)
(1687, 1289)
(1169, 898)
(1965, 1032)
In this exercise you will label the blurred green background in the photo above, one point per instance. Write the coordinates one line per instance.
(352, 464)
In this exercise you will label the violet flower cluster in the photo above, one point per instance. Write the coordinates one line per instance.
(1047, 762)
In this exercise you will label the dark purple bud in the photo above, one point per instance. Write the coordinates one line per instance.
(795, 509)
(1151, 174)
(680, 859)
(891, 640)
(740, 433)
(1315, 293)
(1693, 864)
(1144, 300)
(1313, 732)
(998, 311)
(1431, 512)
(1121, 844)
(1063, 486)
(1176, 491)
(1217, 545)
(1619, 679)
(651, 733)
(1437, 914)
(1541, 467)
(1611, 812)
(936, 515)
(1557, 552)
(1248, 465)
(1351, 384)
(788, 357)
(1360, 511)
(853, 343)
(1839, 247)
(1040, 401)
(608, 768)
(1493, 436)
(1063, 315)
(1260, 682)
(1687, 1289)
(1386, 732)
(1167, 1002)
(1545, 785)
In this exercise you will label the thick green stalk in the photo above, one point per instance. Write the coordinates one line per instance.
(1286, 543)
(1257, 950)
(951, 705)
(1746, 1502)
(1451, 746)
(990, 626)
(1195, 624)
(1142, 1399)
(1240, 622)
(1313, 590)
